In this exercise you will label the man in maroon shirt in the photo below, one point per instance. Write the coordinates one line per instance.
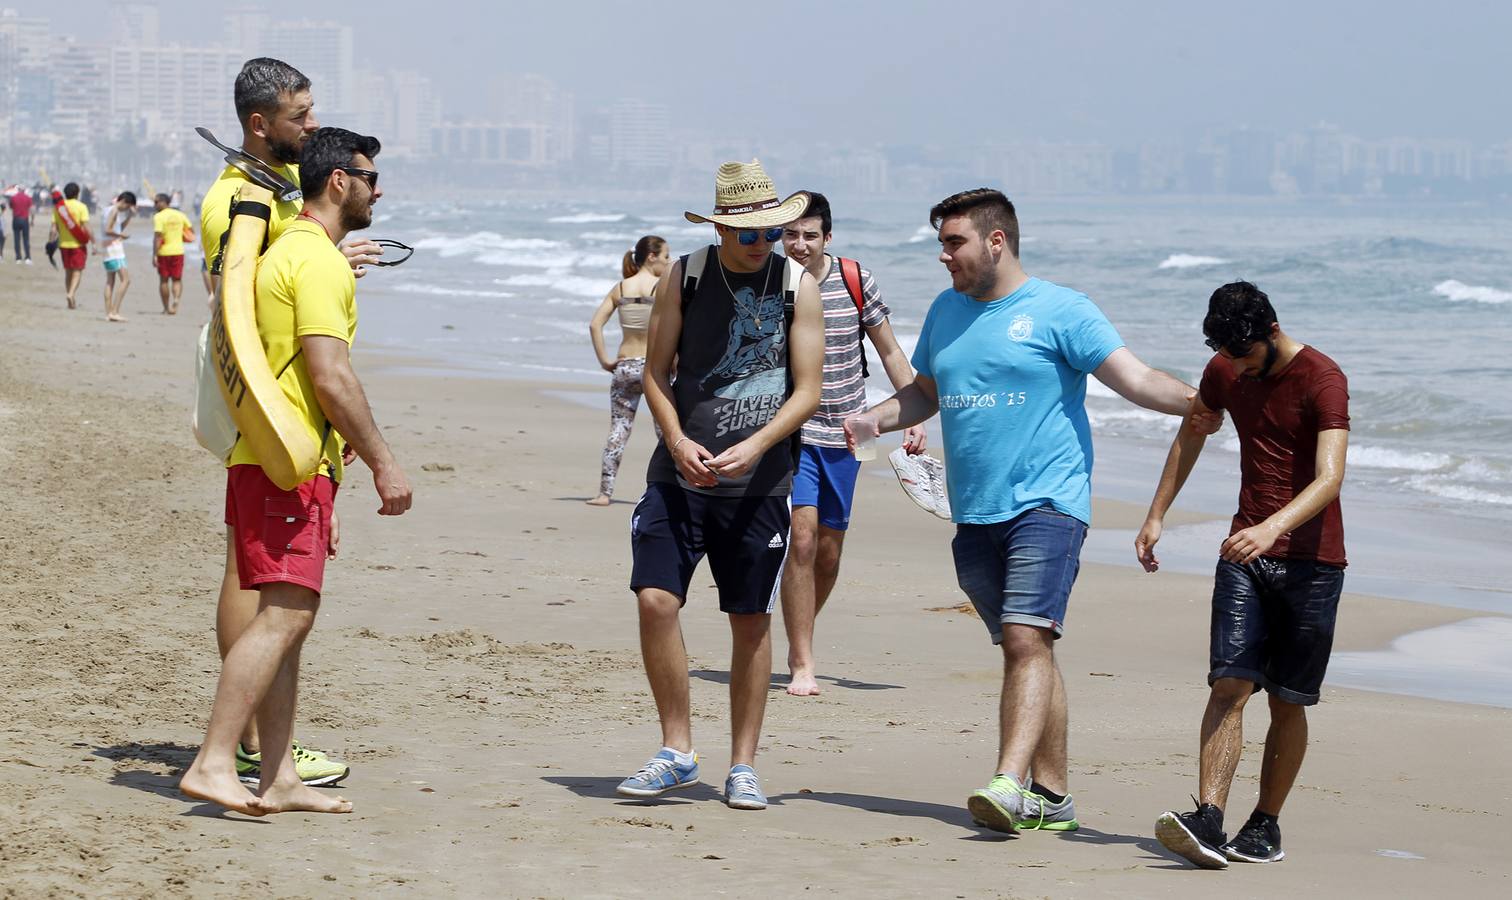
(1276, 591)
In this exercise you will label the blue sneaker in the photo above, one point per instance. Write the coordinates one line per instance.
(743, 789)
(661, 774)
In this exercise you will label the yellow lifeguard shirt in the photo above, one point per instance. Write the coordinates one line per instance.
(304, 287)
(66, 239)
(215, 209)
(170, 223)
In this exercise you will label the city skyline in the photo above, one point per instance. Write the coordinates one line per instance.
(128, 100)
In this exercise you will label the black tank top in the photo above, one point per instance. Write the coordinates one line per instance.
(732, 375)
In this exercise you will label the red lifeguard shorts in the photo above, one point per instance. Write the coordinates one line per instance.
(280, 536)
(171, 266)
(74, 258)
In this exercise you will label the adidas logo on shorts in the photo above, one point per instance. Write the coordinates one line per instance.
(775, 542)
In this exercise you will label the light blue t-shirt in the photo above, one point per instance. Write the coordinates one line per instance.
(1012, 380)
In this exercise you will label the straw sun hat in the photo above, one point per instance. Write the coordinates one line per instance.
(744, 197)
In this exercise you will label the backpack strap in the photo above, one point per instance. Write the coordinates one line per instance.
(694, 265)
(850, 273)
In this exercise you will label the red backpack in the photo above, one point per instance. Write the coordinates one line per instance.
(850, 273)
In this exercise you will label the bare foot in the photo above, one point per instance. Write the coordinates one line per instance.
(223, 790)
(802, 684)
(600, 500)
(300, 798)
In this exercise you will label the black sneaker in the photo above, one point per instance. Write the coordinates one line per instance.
(1196, 836)
(1259, 841)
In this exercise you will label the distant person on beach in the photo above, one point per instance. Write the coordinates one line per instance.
(276, 110)
(117, 276)
(631, 298)
(1280, 571)
(73, 249)
(170, 230)
(307, 313)
(825, 483)
(742, 331)
(1004, 358)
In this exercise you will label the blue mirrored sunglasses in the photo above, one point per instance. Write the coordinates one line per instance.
(749, 236)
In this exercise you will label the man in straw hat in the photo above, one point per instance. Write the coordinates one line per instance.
(745, 330)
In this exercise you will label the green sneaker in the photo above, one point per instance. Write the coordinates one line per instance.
(1046, 815)
(1000, 805)
(314, 767)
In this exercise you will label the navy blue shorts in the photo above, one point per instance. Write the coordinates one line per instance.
(1020, 571)
(1273, 624)
(826, 479)
(745, 538)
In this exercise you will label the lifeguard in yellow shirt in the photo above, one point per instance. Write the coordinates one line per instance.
(277, 114)
(170, 229)
(307, 319)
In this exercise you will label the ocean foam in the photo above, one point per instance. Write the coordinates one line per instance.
(1460, 292)
(922, 234)
(585, 218)
(1386, 458)
(1451, 490)
(613, 237)
(410, 287)
(1189, 261)
(483, 242)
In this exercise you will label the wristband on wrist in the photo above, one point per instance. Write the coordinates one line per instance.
(678, 443)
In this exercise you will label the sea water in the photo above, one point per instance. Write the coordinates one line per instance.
(1414, 301)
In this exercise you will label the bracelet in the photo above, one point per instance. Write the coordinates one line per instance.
(678, 443)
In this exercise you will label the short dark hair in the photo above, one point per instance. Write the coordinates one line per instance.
(71, 191)
(327, 150)
(164, 198)
(262, 82)
(819, 206)
(1238, 315)
(129, 197)
(988, 210)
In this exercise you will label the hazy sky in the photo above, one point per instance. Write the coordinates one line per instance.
(938, 72)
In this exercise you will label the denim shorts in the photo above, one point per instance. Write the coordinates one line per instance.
(826, 480)
(1020, 571)
(1273, 624)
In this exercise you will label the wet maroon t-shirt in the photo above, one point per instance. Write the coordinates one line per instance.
(1278, 419)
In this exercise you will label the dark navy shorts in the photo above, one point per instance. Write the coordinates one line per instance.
(745, 538)
(1273, 624)
(1020, 571)
(826, 479)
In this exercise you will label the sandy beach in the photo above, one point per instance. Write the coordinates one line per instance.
(476, 663)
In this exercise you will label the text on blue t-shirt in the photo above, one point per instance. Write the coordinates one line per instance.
(1012, 381)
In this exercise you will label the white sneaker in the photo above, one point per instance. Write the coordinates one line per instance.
(923, 479)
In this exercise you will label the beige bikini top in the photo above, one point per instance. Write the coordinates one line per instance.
(634, 313)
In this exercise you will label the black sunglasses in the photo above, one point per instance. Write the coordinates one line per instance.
(385, 242)
(367, 175)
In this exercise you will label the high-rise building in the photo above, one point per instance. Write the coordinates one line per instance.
(639, 139)
(399, 107)
(161, 93)
(242, 31)
(134, 25)
(323, 52)
(80, 102)
(538, 103)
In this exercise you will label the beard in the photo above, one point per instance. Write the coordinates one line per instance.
(356, 213)
(284, 152)
(1270, 358)
(986, 280)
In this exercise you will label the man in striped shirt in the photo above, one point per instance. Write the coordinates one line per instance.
(825, 480)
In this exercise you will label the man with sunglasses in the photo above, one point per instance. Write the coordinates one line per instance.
(744, 331)
(1280, 571)
(307, 318)
(277, 115)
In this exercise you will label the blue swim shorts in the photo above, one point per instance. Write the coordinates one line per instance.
(1020, 571)
(826, 479)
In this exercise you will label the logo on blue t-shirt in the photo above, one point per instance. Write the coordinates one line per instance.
(1022, 328)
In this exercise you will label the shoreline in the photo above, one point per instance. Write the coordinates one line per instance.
(476, 662)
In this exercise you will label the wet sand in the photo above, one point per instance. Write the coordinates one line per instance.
(476, 663)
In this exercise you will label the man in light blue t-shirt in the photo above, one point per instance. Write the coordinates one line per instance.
(1004, 359)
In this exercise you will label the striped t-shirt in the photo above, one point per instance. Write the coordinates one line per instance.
(844, 392)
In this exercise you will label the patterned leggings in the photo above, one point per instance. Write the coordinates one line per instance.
(624, 398)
